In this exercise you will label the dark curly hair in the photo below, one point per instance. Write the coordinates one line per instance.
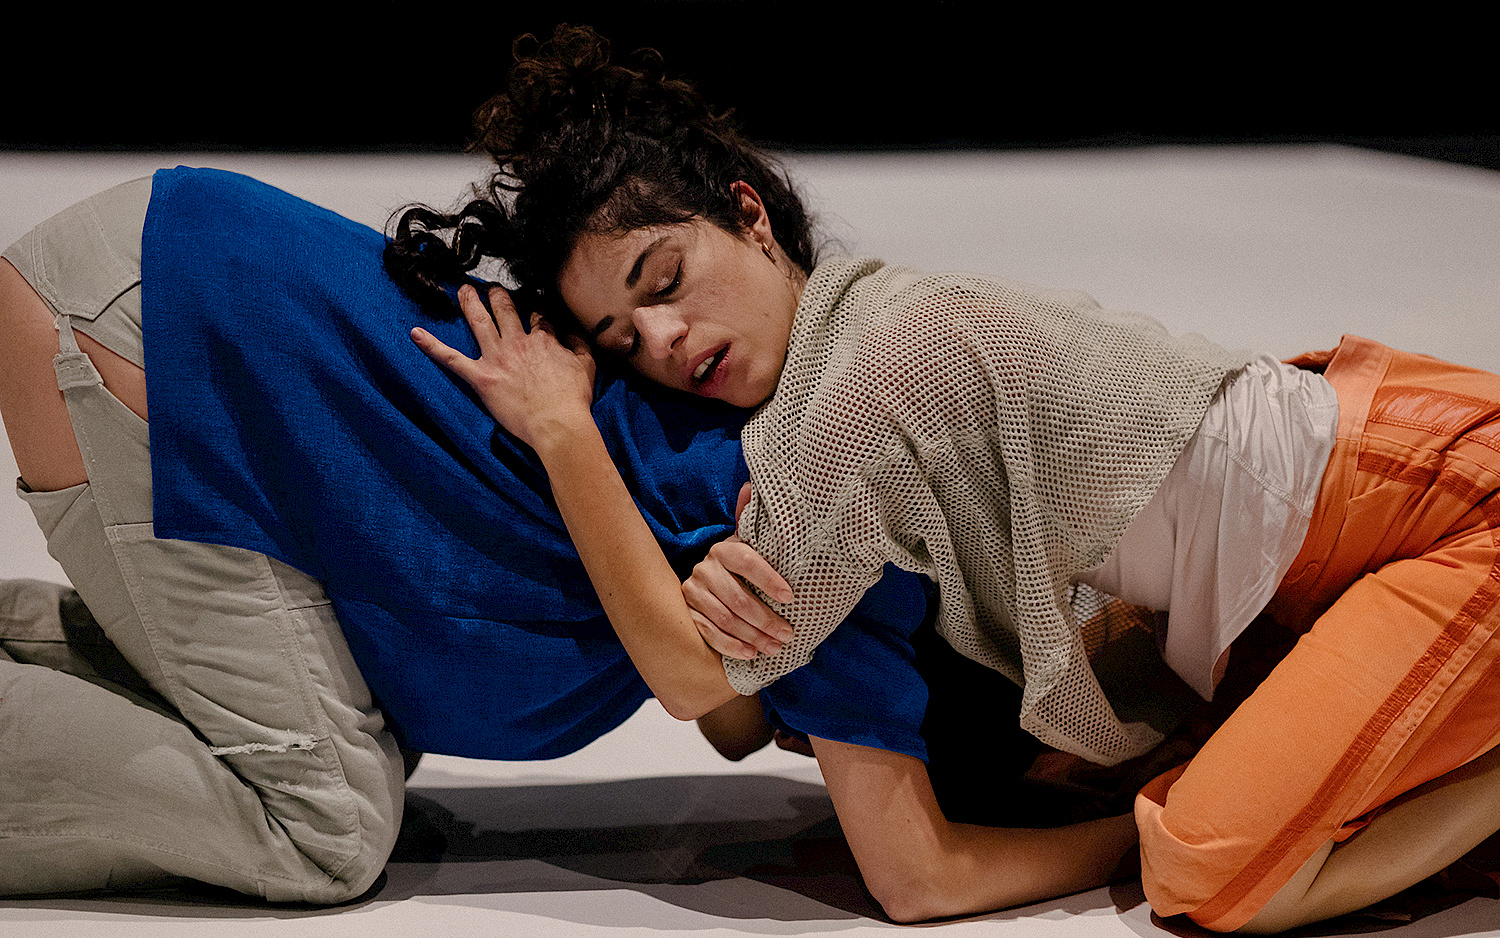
(581, 146)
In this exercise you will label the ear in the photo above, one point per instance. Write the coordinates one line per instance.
(757, 224)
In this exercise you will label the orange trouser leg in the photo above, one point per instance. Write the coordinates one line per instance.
(1395, 684)
(1322, 742)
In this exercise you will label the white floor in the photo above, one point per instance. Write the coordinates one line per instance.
(647, 830)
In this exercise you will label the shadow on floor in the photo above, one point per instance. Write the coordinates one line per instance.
(742, 848)
(677, 831)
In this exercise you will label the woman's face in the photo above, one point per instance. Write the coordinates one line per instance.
(690, 305)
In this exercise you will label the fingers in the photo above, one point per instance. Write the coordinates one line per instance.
(741, 502)
(527, 381)
(485, 330)
(732, 634)
(489, 325)
(502, 307)
(737, 617)
(571, 341)
(721, 642)
(442, 353)
(741, 559)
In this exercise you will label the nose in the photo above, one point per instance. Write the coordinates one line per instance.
(661, 330)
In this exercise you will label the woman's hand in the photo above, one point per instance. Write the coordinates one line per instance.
(730, 618)
(541, 391)
(531, 383)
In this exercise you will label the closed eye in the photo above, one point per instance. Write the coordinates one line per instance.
(626, 342)
(670, 288)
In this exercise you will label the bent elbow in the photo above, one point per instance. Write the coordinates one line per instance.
(678, 711)
(688, 697)
(909, 897)
(735, 750)
(687, 707)
(910, 907)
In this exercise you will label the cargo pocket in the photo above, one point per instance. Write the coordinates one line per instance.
(237, 665)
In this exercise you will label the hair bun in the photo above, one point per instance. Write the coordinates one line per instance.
(570, 82)
(584, 144)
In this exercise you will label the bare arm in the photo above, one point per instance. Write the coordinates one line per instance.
(638, 589)
(540, 391)
(730, 617)
(918, 865)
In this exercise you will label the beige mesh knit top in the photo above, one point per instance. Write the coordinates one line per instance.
(997, 438)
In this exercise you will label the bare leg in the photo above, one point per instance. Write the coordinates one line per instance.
(36, 419)
(1428, 829)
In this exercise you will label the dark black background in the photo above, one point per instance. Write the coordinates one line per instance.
(404, 76)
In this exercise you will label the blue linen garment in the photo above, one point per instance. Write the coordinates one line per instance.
(291, 414)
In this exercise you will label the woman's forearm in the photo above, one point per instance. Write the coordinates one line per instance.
(918, 865)
(1014, 866)
(540, 390)
(638, 589)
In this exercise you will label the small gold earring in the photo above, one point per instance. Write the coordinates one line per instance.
(766, 249)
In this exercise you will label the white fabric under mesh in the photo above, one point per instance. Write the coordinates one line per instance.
(1217, 538)
(995, 437)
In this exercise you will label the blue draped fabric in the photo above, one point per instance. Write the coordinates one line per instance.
(291, 414)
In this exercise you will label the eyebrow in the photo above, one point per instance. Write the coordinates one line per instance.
(634, 277)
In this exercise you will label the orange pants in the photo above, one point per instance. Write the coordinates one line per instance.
(1395, 678)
